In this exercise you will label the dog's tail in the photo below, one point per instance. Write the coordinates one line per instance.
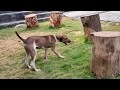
(17, 32)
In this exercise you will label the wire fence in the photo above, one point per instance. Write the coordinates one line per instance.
(110, 21)
(111, 16)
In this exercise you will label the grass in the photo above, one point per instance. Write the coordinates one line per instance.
(77, 54)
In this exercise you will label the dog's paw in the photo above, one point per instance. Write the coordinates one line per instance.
(37, 70)
(62, 56)
(30, 67)
(45, 58)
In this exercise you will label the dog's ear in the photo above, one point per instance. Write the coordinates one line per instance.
(61, 38)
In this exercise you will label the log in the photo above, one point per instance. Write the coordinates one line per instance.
(105, 54)
(31, 20)
(55, 19)
(91, 24)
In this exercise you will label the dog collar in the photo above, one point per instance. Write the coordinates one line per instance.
(55, 38)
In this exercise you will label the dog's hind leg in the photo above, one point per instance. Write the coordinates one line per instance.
(30, 50)
(26, 58)
(45, 57)
(33, 56)
(33, 63)
(27, 61)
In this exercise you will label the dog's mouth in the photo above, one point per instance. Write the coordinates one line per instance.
(66, 43)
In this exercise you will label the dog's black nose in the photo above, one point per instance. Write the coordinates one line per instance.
(69, 41)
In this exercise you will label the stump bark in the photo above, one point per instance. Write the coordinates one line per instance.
(55, 19)
(31, 20)
(105, 54)
(91, 24)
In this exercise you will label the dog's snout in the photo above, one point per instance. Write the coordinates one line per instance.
(69, 41)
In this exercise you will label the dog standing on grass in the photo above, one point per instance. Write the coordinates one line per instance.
(40, 42)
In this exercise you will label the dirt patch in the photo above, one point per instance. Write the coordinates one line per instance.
(7, 47)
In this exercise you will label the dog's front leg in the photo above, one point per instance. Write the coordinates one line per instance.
(57, 53)
(45, 57)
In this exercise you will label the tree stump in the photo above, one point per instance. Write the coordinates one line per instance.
(91, 24)
(55, 19)
(31, 20)
(106, 54)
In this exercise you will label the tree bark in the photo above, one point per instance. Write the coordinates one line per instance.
(106, 54)
(55, 19)
(91, 24)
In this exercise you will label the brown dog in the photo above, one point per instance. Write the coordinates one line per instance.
(41, 42)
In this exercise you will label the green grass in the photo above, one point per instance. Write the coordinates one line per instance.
(77, 54)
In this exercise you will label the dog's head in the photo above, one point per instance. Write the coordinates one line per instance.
(63, 38)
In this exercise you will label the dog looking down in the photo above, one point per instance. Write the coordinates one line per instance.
(41, 42)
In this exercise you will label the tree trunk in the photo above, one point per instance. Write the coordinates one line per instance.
(31, 20)
(55, 19)
(106, 54)
(91, 24)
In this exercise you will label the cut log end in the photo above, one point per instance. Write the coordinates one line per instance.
(106, 54)
(31, 20)
(55, 19)
(106, 34)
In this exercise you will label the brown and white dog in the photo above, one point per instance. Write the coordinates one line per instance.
(41, 42)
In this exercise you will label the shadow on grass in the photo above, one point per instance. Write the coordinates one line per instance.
(50, 27)
(88, 41)
(29, 29)
(62, 26)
